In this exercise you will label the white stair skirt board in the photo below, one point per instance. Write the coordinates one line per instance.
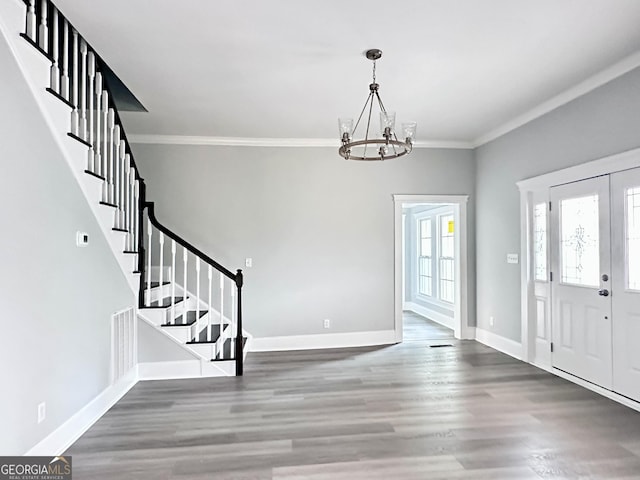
(627, 402)
(500, 343)
(430, 314)
(185, 369)
(35, 68)
(330, 340)
(58, 441)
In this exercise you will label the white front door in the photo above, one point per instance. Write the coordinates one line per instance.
(625, 203)
(580, 264)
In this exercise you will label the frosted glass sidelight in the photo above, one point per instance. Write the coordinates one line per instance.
(633, 238)
(580, 241)
(540, 241)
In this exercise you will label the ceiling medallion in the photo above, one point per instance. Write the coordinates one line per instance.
(383, 148)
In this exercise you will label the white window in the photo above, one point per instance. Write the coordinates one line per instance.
(540, 241)
(425, 254)
(446, 260)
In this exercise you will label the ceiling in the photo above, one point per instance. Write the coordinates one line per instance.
(465, 70)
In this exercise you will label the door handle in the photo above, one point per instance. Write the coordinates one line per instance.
(603, 292)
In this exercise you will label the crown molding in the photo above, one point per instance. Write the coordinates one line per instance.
(271, 142)
(614, 71)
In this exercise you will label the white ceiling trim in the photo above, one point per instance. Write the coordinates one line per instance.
(614, 71)
(271, 142)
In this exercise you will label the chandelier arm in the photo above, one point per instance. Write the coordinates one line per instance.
(363, 109)
(366, 134)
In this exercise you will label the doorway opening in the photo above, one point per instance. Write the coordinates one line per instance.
(431, 266)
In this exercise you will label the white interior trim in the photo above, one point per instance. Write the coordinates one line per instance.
(425, 311)
(272, 142)
(461, 327)
(500, 343)
(328, 340)
(58, 441)
(614, 71)
(591, 386)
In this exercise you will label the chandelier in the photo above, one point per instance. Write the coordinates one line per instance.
(385, 147)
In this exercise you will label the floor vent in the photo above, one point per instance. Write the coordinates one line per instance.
(124, 350)
(441, 345)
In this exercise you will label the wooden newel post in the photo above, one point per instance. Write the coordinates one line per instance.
(239, 340)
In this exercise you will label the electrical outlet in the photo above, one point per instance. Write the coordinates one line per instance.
(248, 262)
(327, 323)
(491, 321)
(42, 412)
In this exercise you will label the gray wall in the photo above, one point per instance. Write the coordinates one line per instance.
(155, 346)
(319, 229)
(56, 298)
(603, 122)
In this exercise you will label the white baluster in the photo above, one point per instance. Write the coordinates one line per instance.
(55, 69)
(222, 316)
(31, 20)
(126, 201)
(197, 297)
(91, 59)
(64, 82)
(126, 221)
(232, 326)
(210, 277)
(98, 145)
(74, 100)
(161, 264)
(136, 215)
(121, 182)
(173, 280)
(115, 152)
(43, 32)
(105, 139)
(185, 254)
(111, 166)
(150, 230)
(83, 90)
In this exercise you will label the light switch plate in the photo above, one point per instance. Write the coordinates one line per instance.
(248, 262)
(512, 258)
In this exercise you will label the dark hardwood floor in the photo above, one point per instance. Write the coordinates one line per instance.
(408, 411)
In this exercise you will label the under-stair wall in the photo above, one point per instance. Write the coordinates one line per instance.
(57, 298)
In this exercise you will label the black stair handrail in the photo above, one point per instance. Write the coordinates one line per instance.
(35, 39)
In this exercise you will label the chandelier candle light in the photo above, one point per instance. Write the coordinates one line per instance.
(380, 148)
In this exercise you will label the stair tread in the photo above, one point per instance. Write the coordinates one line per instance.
(202, 336)
(164, 303)
(153, 284)
(190, 319)
(227, 350)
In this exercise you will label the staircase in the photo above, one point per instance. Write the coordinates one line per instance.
(181, 291)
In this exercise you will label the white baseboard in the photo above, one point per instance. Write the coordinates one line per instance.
(57, 442)
(437, 317)
(500, 343)
(180, 369)
(328, 340)
(591, 386)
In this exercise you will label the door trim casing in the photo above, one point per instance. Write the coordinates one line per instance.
(461, 309)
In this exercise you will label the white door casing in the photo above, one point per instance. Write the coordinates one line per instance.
(581, 268)
(625, 216)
